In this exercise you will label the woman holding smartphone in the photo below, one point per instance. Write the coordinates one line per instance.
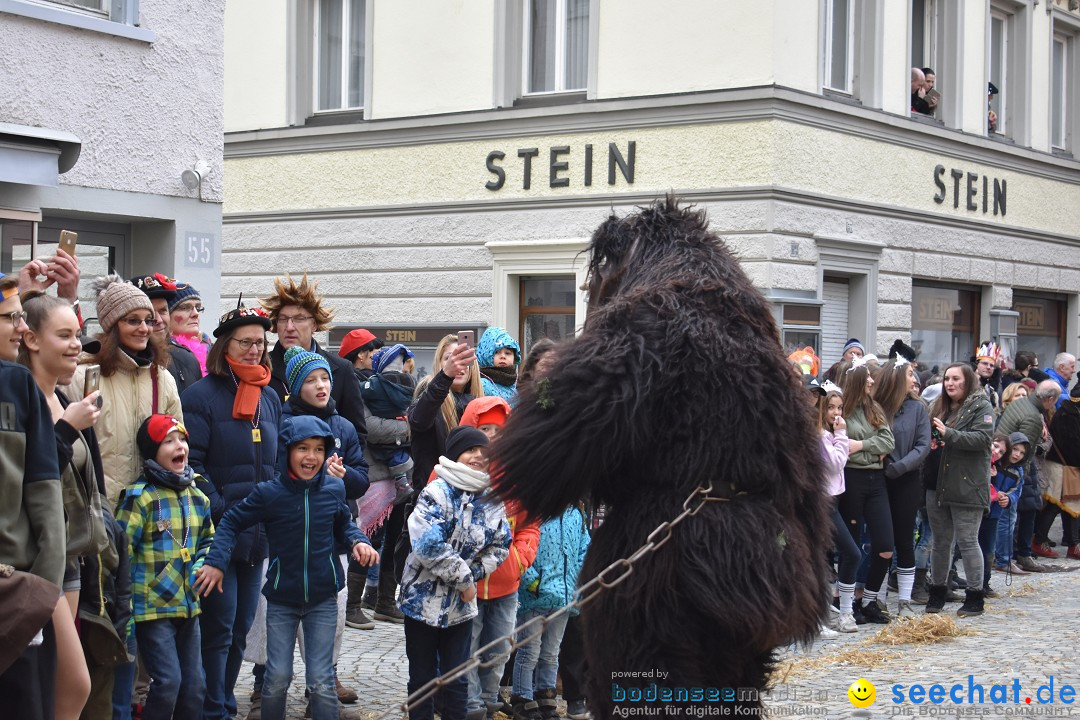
(134, 382)
(50, 349)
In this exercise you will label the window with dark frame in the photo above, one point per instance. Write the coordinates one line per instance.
(546, 309)
(944, 323)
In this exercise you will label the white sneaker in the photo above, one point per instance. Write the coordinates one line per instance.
(827, 632)
(846, 623)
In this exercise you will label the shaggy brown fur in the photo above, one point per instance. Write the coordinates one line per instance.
(678, 379)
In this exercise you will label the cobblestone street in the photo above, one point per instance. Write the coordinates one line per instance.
(1029, 633)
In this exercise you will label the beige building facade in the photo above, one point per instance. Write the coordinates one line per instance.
(439, 166)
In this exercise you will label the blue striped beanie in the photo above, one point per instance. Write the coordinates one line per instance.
(299, 363)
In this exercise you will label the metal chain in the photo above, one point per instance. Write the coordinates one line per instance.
(611, 576)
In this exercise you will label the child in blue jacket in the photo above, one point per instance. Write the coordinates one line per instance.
(1010, 485)
(499, 356)
(305, 516)
(548, 584)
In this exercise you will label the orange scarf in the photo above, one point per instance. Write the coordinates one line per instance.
(252, 379)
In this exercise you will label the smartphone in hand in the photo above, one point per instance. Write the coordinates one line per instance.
(67, 242)
(92, 380)
(467, 338)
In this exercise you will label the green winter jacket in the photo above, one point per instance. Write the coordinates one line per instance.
(964, 473)
(877, 441)
(1024, 415)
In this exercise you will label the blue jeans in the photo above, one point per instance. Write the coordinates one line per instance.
(226, 618)
(124, 683)
(430, 649)
(926, 538)
(320, 625)
(172, 653)
(1003, 549)
(496, 618)
(538, 659)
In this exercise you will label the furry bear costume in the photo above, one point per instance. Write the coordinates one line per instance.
(678, 379)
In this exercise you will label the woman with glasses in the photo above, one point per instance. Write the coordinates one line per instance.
(185, 309)
(134, 381)
(232, 418)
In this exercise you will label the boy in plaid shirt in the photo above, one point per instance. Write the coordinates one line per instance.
(167, 521)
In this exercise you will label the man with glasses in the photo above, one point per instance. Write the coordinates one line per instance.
(297, 313)
(184, 366)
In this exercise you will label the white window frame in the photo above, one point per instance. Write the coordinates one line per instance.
(1066, 26)
(560, 50)
(346, 40)
(1003, 83)
(119, 18)
(104, 11)
(1060, 85)
(515, 259)
(827, 36)
(930, 36)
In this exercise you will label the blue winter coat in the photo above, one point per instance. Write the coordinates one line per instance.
(1062, 383)
(346, 444)
(224, 453)
(1010, 482)
(551, 581)
(493, 340)
(304, 521)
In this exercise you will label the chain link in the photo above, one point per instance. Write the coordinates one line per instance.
(611, 576)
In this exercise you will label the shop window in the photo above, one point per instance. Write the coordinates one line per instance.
(800, 327)
(340, 54)
(556, 46)
(1040, 325)
(839, 45)
(547, 309)
(944, 324)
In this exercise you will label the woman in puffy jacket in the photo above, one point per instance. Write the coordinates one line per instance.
(958, 470)
(232, 418)
(134, 381)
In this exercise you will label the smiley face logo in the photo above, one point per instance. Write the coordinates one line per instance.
(862, 693)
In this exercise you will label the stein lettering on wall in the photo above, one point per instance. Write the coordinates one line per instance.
(561, 161)
(966, 187)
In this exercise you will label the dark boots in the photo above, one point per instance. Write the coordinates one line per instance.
(371, 596)
(354, 614)
(973, 604)
(549, 708)
(935, 601)
(919, 594)
(386, 605)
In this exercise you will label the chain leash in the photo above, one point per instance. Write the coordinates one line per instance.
(611, 576)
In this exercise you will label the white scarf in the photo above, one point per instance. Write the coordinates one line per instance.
(462, 476)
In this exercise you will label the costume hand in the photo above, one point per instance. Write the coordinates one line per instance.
(365, 554)
(469, 593)
(64, 271)
(335, 466)
(208, 578)
(30, 274)
(84, 413)
(461, 357)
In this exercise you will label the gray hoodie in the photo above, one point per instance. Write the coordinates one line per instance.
(911, 433)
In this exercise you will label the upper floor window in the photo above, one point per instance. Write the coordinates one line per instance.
(998, 115)
(111, 17)
(340, 54)
(839, 45)
(1059, 92)
(556, 47)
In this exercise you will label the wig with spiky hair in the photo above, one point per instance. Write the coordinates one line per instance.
(305, 295)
